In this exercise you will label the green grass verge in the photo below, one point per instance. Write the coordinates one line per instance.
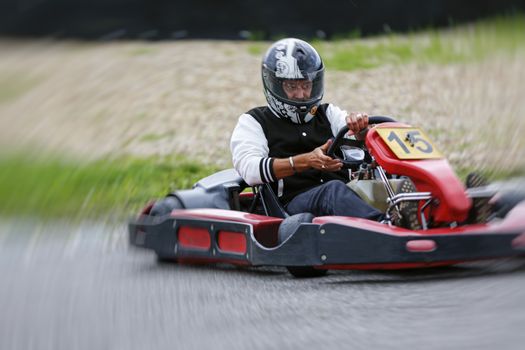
(53, 187)
(464, 43)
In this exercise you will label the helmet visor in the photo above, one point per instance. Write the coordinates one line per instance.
(304, 90)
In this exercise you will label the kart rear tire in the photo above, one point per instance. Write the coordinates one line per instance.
(305, 271)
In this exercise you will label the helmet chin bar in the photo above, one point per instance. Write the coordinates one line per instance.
(298, 114)
(306, 114)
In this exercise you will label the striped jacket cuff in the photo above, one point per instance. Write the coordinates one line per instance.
(266, 170)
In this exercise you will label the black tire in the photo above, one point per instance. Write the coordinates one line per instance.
(305, 271)
(163, 259)
(481, 209)
(286, 229)
(409, 210)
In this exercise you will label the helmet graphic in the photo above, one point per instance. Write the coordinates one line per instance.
(292, 74)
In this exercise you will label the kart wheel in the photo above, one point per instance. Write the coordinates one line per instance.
(162, 259)
(407, 209)
(305, 271)
(481, 208)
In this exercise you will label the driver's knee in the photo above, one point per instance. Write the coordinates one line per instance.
(335, 184)
(334, 188)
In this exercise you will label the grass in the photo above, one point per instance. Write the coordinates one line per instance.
(465, 43)
(53, 187)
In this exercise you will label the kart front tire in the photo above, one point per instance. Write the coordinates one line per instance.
(163, 259)
(481, 209)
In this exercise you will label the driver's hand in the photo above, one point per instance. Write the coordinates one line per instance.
(357, 123)
(318, 159)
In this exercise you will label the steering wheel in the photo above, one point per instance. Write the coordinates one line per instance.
(352, 155)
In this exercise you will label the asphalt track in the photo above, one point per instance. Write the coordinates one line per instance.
(80, 286)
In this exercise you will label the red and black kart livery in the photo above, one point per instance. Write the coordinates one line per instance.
(218, 221)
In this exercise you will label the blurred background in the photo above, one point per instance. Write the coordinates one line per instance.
(106, 104)
(236, 19)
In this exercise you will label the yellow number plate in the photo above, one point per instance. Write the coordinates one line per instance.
(409, 143)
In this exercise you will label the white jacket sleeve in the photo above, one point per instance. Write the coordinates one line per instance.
(249, 149)
(336, 117)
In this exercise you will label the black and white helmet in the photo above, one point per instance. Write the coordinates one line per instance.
(288, 60)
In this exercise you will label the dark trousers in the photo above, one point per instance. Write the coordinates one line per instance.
(333, 198)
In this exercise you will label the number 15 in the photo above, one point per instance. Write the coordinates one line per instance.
(413, 138)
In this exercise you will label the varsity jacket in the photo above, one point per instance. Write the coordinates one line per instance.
(260, 136)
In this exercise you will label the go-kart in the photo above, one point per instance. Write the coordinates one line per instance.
(223, 220)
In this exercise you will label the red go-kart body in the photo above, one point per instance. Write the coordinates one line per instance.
(217, 222)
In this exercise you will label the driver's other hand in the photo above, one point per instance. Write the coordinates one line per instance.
(357, 121)
(319, 160)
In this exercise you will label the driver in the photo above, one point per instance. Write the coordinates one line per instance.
(285, 143)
